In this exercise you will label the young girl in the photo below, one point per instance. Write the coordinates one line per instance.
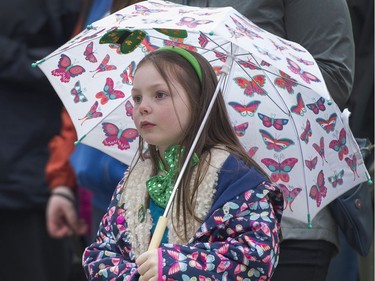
(224, 223)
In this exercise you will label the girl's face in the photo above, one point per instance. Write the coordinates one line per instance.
(160, 116)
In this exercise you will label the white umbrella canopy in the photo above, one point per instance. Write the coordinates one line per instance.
(276, 96)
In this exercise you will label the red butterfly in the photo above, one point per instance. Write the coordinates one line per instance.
(248, 64)
(240, 129)
(118, 136)
(147, 46)
(274, 143)
(316, 106)
(104, 66)
(339, 145)
(311, 164)
(277, 123)
(129, 109)
(221, 56)
(253, 86)
(319, 191)
(285, 82)
(329, 124)
(352, 163)
(203, 40)
(89, 53)
(191, 22)
(128, 74)
(299, 108)
(307, 132)
(289, 195)
(92, 113)
(279, 171)
(76, 91)
(116, 47)
(306, 76)
(320, 149)
(179, 43)
(336, 179)
(251, 152)
(66, 69)
(243, 109)
(109, 93)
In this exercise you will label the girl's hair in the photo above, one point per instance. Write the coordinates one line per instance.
(218, 130)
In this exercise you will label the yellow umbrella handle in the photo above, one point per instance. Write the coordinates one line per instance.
(158, 233)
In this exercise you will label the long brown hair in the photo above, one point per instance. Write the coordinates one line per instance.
(218, 131)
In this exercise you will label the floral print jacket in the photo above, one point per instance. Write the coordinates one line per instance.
(238, 240)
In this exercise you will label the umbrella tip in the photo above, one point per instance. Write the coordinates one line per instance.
(78, 141)
(369, 181)
(89, 26)
(35, 64)
(329, 102)
(309, 224)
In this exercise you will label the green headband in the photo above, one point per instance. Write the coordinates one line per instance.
(189, 57)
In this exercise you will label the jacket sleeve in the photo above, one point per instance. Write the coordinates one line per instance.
(110, 256)
(238, 239)
(58, 169)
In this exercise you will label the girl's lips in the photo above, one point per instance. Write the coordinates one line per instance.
(146, 125)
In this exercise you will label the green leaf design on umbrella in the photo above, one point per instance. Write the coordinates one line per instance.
(128, 40)
(175, 33)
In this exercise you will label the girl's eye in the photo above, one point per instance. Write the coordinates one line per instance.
(160, 95)
(137, 99)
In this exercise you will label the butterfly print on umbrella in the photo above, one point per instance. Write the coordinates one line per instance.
(266, 53)
(93, 113)
(339, 145)
(301, 60)
(336, 179)
(65, 69)
(147, 47)
(352, 163)
(306, 76)
(104, 66)
(307, 132)
(144, 11)
(318, 190)
(109, 93)
(289, 195)
(311, 164)
(191, 22)
(89, 53)
(178, 42)
(128, 74)
(320, 149)
(251, 152)
(317, 106)
(328, 124)
(299, 108)
(248, 64)
(291, 46)
(277, 46)
(240, 129)
(114, 136)
(129, 109)
(280, 170)
(242, 28)
(285, 82)
(76, 91)
(245, 110)
(277, 123)
(275, 143)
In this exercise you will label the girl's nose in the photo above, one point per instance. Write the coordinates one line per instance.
(144, 108)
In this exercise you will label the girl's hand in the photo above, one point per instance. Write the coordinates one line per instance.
(148, 265)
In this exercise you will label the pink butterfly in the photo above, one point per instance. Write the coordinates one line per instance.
(91, 36)
(277, 123)
(352, 163)
(118, 136)
(311, 164)
(336, 179)
(274, 143)
(89, 53)
(179, 262)
(329, 124)
(306, 76)
(103, 66)
(248, 64)
(320, 149)
(299, 108)
(285, 82)
(240, 129)
(289, 195)
(307, 132)
(266, 53)
(248, 109)
(248, 32)
(318, 191)
(93, 113)
(291, 46)
(221, 56)
(142, 10)
(192, 22)
(339, 145)
(305, 62)
(128, 74)
(277, 46)
(279, 171)
(317, 106)
(254, 86)
(203, 40)
(251, 152)
(76, 91)
(147, 46)
(66, 70)
(129, 109)
(109, 93)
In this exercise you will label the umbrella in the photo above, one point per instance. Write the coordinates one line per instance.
(277, 100)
